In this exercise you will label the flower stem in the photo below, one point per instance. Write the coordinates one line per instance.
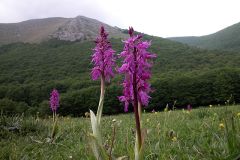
(140, 110)
(54, 127)
(136, 111)
(54, 116)
(101, 100)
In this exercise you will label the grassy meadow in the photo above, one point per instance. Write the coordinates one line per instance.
(203, 133)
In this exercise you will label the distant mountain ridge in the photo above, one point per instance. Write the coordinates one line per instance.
(226, 39)
(83, 28)
(70, 29)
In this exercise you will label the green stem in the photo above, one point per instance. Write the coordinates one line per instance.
(136, 111)
(54, 126)
(101, 100)
(140, 111)
(95, 122)
(53, 117)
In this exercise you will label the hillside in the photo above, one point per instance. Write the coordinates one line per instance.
(188, 75)
(39, 30)
(226, 39)
(182, 73)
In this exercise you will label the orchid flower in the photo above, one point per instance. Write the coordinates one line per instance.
(103, 60)
(136, 88)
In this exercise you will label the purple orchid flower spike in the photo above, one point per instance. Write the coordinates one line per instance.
(189, 107)
(136, 68)
(103, 58)
(54, 100)
(141, 67)
(54, 104)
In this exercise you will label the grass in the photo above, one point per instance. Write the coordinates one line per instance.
(204, 133)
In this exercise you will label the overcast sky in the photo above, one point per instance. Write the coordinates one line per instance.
(164, 18)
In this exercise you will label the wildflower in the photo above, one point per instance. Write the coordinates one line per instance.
(210, 106)
(54, 100)
(136, 67)
(221, 125)
(148, 120)
(54, 104)
(153, 111)
(189, 107)
(114, 120)
(174, 139)
(103, 60)
(103, 57)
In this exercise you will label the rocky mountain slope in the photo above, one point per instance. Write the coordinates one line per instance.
(70, 29)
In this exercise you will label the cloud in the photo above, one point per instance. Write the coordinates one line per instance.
(15, 11)
(156, 17)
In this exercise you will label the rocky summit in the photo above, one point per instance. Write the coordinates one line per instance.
(79, 28)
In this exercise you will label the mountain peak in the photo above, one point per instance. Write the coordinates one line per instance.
(82, 28)
(79, 28)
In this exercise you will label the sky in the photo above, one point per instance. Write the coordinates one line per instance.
(164, 18)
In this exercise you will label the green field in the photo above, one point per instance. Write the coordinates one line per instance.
(178, 134)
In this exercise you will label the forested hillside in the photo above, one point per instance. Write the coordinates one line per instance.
(226, 39)
(188, 75)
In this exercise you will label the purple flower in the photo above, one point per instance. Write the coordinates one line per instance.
(103, 57)
(189, 107)
(136, 62)
(54, 100)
